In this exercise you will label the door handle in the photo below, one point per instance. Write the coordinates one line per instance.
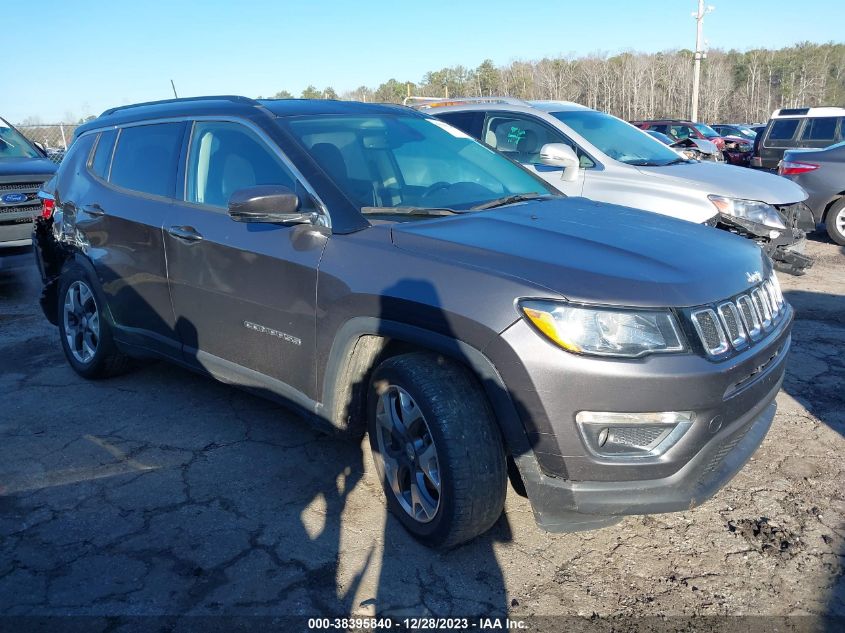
(94, 209)
(185, 233)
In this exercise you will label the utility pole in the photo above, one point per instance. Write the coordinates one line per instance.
(699, 55)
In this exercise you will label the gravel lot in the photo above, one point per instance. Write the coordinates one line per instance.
(163, 492)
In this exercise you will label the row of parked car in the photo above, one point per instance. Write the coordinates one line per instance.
(424, 279)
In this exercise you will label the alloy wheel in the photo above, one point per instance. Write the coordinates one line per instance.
(408, 454)
(81, 322)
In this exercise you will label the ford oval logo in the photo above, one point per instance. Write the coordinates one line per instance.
(14, 198)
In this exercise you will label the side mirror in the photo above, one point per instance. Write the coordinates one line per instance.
(272, 204)
(561, 155)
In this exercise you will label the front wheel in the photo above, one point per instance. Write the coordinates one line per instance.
(437, 449)
(835, 222)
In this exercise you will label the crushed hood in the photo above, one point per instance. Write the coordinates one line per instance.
(593, 252)
(731, 181)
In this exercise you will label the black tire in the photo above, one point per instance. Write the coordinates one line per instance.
(835, 222)
(469, 453)
(105, 360)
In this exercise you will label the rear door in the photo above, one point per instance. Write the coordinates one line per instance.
(134, 178)
(243, 293)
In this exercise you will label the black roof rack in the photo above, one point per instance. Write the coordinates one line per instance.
(232, 98)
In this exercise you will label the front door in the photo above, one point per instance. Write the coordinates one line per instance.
(243, 293)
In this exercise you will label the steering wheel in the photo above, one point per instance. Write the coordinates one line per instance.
(438, 186)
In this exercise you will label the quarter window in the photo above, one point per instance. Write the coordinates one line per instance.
(146, 157)
(225, 157)
(820, 129)
(102, 154)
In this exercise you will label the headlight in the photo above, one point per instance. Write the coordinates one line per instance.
(751, 210)
(604, 331)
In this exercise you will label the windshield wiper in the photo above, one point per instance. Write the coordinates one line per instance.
(678, 161)
(511, 199)
(433, 211)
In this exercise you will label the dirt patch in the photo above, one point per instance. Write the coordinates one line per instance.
(767, 538)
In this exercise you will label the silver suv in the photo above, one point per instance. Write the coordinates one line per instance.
(588, 153)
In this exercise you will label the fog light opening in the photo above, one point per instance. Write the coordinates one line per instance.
(625, 435)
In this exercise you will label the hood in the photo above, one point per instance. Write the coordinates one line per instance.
(593, 252)
(708, 147)
(10, 167)
(727, 180)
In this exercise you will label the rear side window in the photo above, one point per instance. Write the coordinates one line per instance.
(102, 154)
(820, 129)
(783, 129)
(145, 158)
(469, 122)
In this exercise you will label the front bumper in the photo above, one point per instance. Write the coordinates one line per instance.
(572, 488)
(787, 248)
(561, 506)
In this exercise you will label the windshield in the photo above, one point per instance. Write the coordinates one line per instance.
(746, 132)
(706, 130)
(618, 139)
(13, 145)
(404, 162)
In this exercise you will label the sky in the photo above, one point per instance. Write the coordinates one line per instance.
(87, 55)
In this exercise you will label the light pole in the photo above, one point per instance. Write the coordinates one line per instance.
(699, 55)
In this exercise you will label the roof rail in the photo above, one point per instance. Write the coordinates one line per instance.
(234, 98)
(442, 102)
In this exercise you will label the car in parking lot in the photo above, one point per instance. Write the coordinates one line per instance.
(381, 271)
(797, 128)
(821, 173)
(23, 169)
(680, 129)
(734, 129)
(584, 152)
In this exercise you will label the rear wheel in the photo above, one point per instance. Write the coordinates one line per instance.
(835, 222)
(437, 449)
(85, 330)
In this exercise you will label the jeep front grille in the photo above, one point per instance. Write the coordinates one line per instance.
(736, 323)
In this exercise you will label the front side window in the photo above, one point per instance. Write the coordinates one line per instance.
(820, 129)
(145, 158)
(14, 145)
(395, 160)
(617, 139)
(679, 132)
(520, 138)
(224, 157)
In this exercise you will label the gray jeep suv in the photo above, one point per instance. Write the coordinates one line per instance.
(382, 272)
